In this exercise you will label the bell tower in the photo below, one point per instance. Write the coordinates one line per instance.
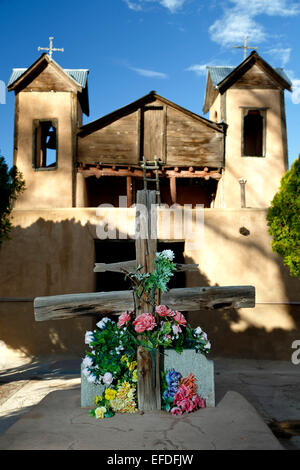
(49, 104)
(249, 98)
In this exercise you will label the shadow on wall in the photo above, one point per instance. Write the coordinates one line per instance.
(51, 258)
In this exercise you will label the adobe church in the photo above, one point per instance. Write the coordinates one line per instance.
(231, 164)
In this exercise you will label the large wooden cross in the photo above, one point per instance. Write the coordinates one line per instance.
(183, 299)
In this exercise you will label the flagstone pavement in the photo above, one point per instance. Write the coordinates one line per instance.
(249, 394)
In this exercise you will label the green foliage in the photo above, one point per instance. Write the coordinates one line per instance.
(11, 185)
(284, 219)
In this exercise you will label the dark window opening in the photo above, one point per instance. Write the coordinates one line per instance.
(105, 190)
(253, 134)
(45, 144)
(113, 251)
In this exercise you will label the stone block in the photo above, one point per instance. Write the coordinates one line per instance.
(203, 369)
(89, 391)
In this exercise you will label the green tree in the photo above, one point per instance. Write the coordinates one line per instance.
(11, 185)
(284, 219)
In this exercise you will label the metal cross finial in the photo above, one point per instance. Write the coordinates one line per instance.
(51, 49)
(245, 47)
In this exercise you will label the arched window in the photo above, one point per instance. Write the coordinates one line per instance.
(253, 133)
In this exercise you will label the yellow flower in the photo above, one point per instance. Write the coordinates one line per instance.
(98, 399)
(124, 358)
(132, 365)
(135, 376)
(100, 412)
(110, 393)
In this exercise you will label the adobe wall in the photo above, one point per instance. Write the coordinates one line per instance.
(263, 174)
(46, 188)
(52, 252)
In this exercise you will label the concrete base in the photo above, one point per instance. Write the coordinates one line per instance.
(185, 363)
(58, 423)
(203, 369)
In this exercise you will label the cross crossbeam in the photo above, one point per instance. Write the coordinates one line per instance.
(51, 49)
(245, 47)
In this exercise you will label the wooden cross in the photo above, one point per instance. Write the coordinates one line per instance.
(51, 49)
(183, 299)
(245, 47)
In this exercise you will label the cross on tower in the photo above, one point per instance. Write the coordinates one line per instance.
(245, 47)
(51, 49)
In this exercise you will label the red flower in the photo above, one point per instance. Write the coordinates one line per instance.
(179, 318)
(176, 411)
(123, 319)
(144, 322)
(163, 311)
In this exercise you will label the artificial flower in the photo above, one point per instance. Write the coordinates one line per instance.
(88, 361)
(102, 323)
(179, 318)
(107, 378)
(163, 311)
(110, 393)
(124, 318)
(144, 322)
(176, 410)
(89, 337)
(99, 412)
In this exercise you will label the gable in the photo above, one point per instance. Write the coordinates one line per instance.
(152, 127)
(257, 78)
(51, 79)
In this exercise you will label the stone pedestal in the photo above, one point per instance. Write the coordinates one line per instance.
(89, 391)
(203, 369)
(185, 363)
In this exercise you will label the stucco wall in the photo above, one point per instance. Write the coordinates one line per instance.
(263, 174)
(46, 188)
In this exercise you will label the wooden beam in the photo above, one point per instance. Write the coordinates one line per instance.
(191, 299)
(129, 190)
(130, 266)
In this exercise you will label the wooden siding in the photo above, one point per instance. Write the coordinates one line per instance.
(190, 142)
(158, 129)
(256, 78)
(115, 143)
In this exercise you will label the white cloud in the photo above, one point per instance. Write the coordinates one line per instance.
(296, 91)
(239, 19)
(149, 73)
(281, 54)
(198, 69)
(171, 5)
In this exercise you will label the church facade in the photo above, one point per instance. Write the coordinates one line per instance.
(230, 164)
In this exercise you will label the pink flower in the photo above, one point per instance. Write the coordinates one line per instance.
(144, 322)
(186, 405)
(176, 411)
(179, 318)
(123, 319)
(198, 402)
(163, 311)
(181, 394)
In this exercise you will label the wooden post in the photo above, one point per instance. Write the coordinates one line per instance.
(173, 189)
(148, 364)
(243, 182)
(129, 190)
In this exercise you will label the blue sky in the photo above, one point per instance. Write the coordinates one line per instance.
(134, 46)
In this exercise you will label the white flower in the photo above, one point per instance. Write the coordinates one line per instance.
(102, 323)
(204, 336)
(207, 345)
(197, 331)
(167, 254)
(85, 372)
(91, 378)
(89, 337)
(87, 361)
(107, 378)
